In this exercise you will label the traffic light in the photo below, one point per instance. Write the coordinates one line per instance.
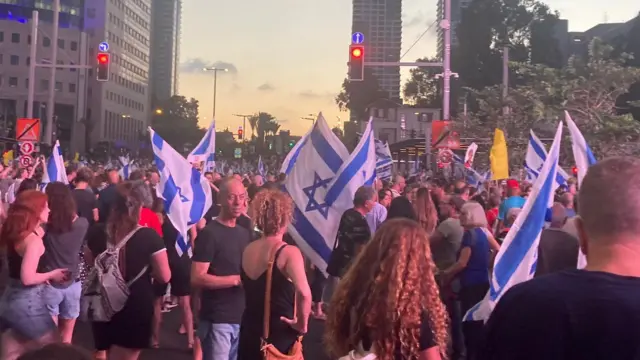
(104, 61)
(574, 170)
(356, 63)
(240, 133)
(291, 144)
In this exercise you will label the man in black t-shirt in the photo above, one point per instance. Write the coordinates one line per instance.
(582, 314)
(86, 202)
(217, 261)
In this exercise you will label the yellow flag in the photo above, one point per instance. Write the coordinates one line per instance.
(76, 158)
(7, 157)
(498, 157)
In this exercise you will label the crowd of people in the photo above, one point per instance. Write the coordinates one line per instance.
(410, 259)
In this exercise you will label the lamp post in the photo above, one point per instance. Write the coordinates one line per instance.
(215, 84)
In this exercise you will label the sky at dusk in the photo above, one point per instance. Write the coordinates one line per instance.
(289, 57)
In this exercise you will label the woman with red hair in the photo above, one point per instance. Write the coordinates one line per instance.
(24, 319)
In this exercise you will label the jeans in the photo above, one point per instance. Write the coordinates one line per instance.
(23, 310)
(64, 303)
(219, 341)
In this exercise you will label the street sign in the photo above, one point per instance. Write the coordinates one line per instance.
(26, 160)
(27, 147)
(357, 38)
(103, 47)
(445, 156)
(28, 130)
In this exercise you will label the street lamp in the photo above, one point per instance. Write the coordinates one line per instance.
(158, 111)
(215, 84)
(309, 117)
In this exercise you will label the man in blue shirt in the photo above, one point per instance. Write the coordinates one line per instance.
(513, 201)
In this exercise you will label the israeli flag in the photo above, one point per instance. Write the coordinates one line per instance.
(127, 167)
(584, 158)
(534, 159)
(473, 177)
(185, 191)
(582, 154)
(317, 162)
(261, 167)
(54, 169)
(206, 149)
(292, 156)
(516, 260)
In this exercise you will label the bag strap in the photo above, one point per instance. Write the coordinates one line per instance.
(126, 239)
(267, 293)
(140, 274)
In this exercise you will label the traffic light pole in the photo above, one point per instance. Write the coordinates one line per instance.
(32, 64)
(51, 104)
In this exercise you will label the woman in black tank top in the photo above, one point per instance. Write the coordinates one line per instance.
(290, 295)
(24, 317)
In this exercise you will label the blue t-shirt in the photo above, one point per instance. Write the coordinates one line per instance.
(512, 202)
(477, 270)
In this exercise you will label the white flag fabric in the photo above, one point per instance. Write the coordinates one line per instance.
(206, 149)
(292, 156)
(316, 163)
(516, 260)
(534, 159)
(185, 191)
(470, 155)
(127, 167)
(261, 170)
(584, 158)
(55, 169)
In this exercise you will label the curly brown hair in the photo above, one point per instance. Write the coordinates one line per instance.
(385, 293)
(271, 210)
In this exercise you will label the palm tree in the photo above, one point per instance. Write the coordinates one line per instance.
(262, 121)
(253, 122)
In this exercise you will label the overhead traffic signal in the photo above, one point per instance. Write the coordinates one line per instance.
(240, 133)
(104, 61)
(356, 63)
(574, 170)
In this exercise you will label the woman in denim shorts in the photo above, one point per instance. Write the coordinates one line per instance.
(24, 319)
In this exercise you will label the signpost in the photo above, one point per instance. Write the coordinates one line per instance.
(28, 130)
(26, 160)
(357, 38)
(26, 148)
(103, 47)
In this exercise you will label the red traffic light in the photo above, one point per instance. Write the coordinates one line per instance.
(103, 58)
(574, 170)
(357, 52)
(240, 133)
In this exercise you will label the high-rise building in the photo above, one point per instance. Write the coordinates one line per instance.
(380, 21)
(456, 16)
(15, 58)
(119, 109)
(165, 48)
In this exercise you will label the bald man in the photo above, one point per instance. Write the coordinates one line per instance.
(582, 314)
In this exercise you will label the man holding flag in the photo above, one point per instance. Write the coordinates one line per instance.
(582, 314)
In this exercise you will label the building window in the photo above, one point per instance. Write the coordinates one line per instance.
(29, 39)
(58, 86)
(26, 83)
(72, 69)
(1, 59)
(72, 88)
(1, 36)
(15, 60)
(13, 81)
(61, 43)
(28, 61)
(73, 46)
(46, 42)
(44, 84)
(15, 38)
(91, 13)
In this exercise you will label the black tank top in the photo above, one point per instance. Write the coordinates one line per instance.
(14, 263)
(282, 304)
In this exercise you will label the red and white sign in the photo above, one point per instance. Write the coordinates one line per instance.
(445, 156)
(26, 160)
(27, 147)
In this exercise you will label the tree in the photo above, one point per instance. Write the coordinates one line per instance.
(264, 123)
(339, 133)
(587, 89)
(176, 121)
(487, 26)
(225, 143)
(423, 88)
(629, 43)
(356, 96)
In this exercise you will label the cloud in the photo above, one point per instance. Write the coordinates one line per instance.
(314, 95)
(266, 87)
(416, 20)
(196, 65)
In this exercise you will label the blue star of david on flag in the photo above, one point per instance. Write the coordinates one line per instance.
(310, 191)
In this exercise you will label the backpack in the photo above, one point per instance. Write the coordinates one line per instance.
(105, 292)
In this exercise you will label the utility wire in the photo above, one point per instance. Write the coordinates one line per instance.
(418, 39)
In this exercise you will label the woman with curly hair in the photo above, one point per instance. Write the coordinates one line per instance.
(388, 302)
(270, 264)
